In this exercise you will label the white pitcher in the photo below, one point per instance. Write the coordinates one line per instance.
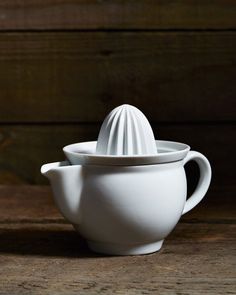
(125, 205)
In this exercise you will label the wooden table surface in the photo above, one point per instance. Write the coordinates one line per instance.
(41, 254)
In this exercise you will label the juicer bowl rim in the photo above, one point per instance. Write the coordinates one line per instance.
(85, 156)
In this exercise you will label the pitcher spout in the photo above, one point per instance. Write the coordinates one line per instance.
(67, 183)
(49, 170)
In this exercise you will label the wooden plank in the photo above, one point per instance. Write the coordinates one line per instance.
(24, 202)
(41, 255)
(52, 259)
(24, 148)
(80, 77)
(117, 14)
(28, 204)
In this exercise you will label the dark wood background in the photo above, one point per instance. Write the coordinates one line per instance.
(65, 64)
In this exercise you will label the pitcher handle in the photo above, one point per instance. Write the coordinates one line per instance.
(204, 180)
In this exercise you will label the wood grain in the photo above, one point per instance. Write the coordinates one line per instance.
(117, 14)
(40, 255)
(30, 204)
(24, 148)
(52, 259)
(80, 77)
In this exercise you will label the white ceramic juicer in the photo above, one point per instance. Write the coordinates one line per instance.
(126, 192)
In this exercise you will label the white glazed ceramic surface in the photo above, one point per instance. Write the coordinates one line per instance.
(126, 131)
(84, 153)
(126, 210)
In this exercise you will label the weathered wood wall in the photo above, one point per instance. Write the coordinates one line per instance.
(65, 64)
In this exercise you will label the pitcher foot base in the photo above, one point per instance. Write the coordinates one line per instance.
(116, 249)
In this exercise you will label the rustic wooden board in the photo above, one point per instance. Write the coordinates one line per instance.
(79, 77)
(30, 204)
(117, 14)
(40, 255)
(52, 259)
(24, 148)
